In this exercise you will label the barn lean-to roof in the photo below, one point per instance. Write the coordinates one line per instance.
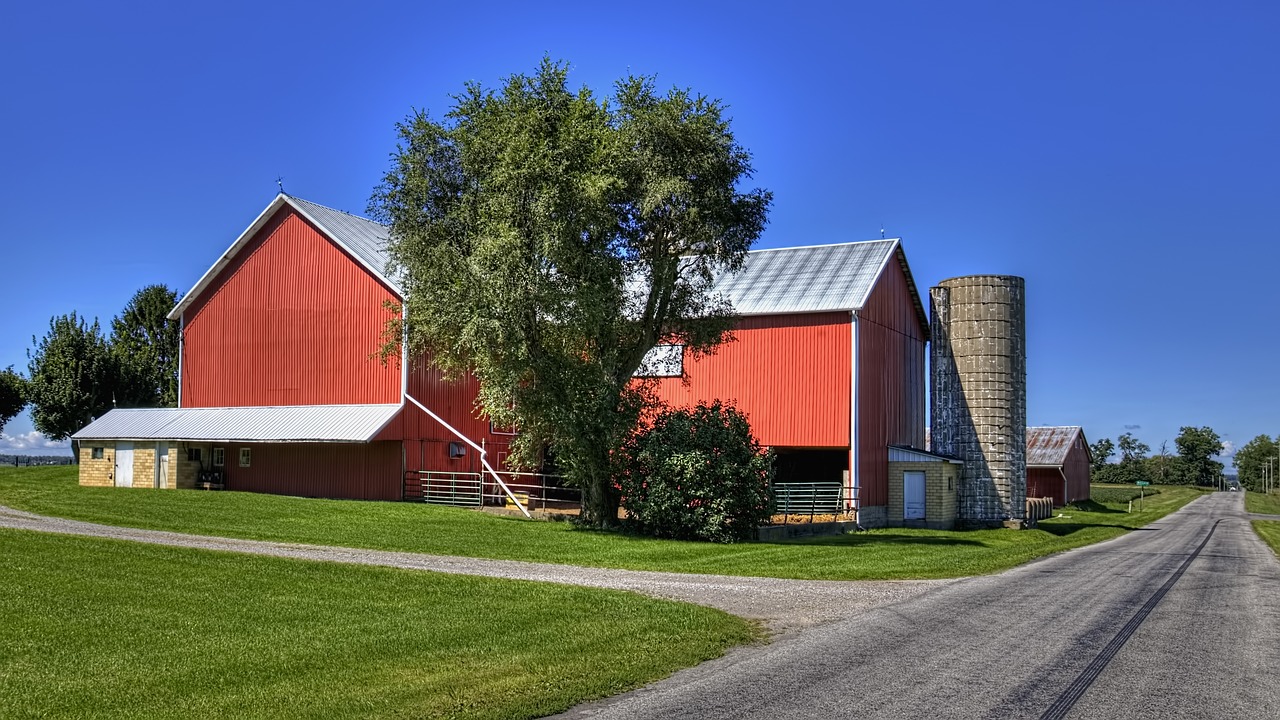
(295, 423)
(775, 281)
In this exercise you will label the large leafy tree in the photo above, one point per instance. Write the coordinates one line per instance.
(72, 376)
(144, 343)
(1100, 453)
(1131, 448)
(1251, 461)
(13, 395)
(1197, 448)
(548, 239)
(1133, 465)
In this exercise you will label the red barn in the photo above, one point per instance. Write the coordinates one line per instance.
(281, 387)
(282, 391)
(1058, 464)
(828, 363)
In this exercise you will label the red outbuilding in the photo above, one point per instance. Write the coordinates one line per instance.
(282, 388)
(1058, 464)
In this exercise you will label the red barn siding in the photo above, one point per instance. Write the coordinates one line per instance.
(790, 374)
(366, 471)
(891, 381)
(1046, 483)
(426, 441)
(1078, 471)
(292, 320)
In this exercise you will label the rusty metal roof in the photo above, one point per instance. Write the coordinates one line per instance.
(1048, 446)
(300, 423)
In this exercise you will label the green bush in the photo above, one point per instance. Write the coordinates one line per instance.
(696, 474)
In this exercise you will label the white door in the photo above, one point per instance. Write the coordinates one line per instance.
(913, 495)
(162, 464)
(124, 464)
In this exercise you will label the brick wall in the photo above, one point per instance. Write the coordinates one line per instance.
(102, 472)
(97, 473)
(940, 483)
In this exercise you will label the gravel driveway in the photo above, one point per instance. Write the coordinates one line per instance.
(783, 605)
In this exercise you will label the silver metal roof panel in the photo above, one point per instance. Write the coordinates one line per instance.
(301, 423)
(362, 237)
(818, 278)
(365, 240)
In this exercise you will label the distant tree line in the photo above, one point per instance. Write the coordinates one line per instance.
(76, 373)
(1192, 462)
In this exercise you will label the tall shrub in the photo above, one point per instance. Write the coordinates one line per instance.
(697, 474)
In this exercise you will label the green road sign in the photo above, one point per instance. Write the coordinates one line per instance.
(1143, 482)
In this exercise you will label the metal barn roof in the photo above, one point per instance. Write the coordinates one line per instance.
(1049, 446)
(816, 278)
(361, 238)
(301, 423)
(806, 279)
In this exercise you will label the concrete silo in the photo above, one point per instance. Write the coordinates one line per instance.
(978, 398)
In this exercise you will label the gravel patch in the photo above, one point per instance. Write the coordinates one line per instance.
(782, 605)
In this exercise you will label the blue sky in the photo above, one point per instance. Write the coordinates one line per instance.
(1122, 157)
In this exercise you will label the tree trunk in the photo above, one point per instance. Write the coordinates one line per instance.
(600, 501)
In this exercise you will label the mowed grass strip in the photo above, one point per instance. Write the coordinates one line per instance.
(1266, 504)
(1269, 531)
(889, 554)
(105, 628)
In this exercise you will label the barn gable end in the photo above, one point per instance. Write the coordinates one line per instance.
(290, 319)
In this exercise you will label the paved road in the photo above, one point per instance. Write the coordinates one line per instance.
(1177, 620)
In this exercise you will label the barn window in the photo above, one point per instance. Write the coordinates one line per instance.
(96, 453)
(193, 455)
(457, 450)
(662, 361)
(246, 455)
(219, 457)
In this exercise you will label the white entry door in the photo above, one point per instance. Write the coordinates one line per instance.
(913, 495)
(162, 464)
(124, 464)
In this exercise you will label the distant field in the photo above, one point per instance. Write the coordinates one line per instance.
(1120, 493)
(888, 554)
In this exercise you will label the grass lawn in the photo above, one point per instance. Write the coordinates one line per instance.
(875, 555)
(1268, 504)
(104, 628)
(1269, 531)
